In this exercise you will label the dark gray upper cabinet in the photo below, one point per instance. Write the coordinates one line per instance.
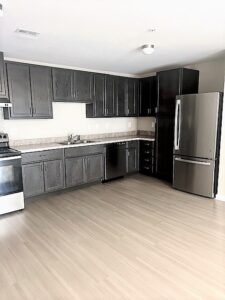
(148, 97)
(3, 86)
(53, 175)
(62, 80)
(109, 96)
(30, 91)
(41, 91)
(33, 179)
(94, 168)
(132, 98)
(19, 91)
(83, 86)
(121, 95)
(96, 109)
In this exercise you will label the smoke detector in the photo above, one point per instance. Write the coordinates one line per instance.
(148, 49)
(27, 33)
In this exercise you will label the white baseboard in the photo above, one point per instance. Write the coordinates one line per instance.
(220, 197)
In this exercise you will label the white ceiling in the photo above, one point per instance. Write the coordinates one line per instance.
(106, 35)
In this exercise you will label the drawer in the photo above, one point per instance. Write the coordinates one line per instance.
(147, 160)
(132, 144)
(149, 152)
(147, 144)
(42, 156)
(84, 150)
(146, 168)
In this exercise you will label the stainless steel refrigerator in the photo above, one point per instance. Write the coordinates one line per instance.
(197, 131)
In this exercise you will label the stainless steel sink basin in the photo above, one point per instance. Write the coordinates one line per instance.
(77, 142)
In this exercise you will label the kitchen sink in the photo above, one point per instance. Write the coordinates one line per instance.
(77, 142)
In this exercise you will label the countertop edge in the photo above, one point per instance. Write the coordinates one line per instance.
(58, 146)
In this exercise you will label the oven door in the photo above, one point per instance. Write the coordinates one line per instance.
(10, 175)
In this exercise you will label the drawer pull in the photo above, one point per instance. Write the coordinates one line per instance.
(147, 168)
(147, 152)
(147, 160)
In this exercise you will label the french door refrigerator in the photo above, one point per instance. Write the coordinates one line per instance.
(197, 131)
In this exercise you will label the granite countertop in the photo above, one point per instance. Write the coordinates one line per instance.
(51, 146)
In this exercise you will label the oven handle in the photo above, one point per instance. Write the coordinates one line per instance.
(10, 158)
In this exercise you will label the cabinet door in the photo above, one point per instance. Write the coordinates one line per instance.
(132, 160)
(153, 95)
(148, 96)
(19, 90)
(3, 88)
(83, 86)
(121, 95)
(169, 85)
(99, 95)
(54, 175)
(164, 147)
(109, 96)
(74, 171)
(62, 85)
(41, 91)
(33, 179)
(132, 97)
(94, 167)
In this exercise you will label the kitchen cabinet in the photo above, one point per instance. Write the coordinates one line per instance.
(148, 97)
(30, 92)
(84, 165)
(96, 109)
(19, 92)
(62, 80)
(121, 95)
(94, 167)
(147, 157)
(53, 175)
(74, 171)
(43, 171)
(83, 86)
(170, 83)
(109, 96)
(72, 86)
(132, 157)
(3, 85)
(33, 179)
(132, 98)
(41, 91)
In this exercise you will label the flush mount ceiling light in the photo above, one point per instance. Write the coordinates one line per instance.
(27, 33)
(148, 49)
(1, 10)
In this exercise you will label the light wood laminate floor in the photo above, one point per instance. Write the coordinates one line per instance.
(134, 238)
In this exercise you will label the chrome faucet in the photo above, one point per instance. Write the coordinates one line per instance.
(73, 138)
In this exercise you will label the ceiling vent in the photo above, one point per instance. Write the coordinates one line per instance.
(27, 33)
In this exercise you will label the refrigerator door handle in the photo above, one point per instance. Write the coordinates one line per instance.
(193, 161)
(177, 126)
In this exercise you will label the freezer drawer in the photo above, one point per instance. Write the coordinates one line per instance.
(194, 176)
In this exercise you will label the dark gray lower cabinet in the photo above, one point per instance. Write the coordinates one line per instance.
(94, 167)
(53, 175)
(132, 157)
(74, 171)
(33, 179)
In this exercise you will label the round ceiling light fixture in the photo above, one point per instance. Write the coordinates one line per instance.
(148, 49)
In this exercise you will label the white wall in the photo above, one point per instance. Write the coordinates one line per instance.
(212, 78)
(67, 118)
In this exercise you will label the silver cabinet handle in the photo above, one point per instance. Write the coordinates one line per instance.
(196, 162)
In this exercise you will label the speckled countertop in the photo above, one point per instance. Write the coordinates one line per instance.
(51, 146)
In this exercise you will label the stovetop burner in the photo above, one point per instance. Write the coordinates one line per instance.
(5, 150)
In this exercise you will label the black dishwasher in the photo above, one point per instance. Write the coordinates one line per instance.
(115, 165)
